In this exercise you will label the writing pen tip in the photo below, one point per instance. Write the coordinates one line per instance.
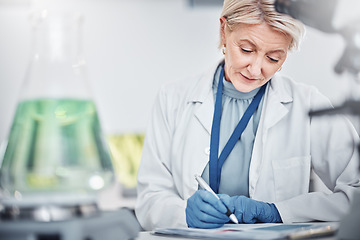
(233, 218)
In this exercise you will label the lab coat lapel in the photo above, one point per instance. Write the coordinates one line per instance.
(203, 102)
(273, 111)
(205, 112)
(203, 95)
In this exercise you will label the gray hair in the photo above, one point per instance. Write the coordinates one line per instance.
(260, 11)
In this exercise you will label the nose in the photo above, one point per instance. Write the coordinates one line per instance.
(255, 67)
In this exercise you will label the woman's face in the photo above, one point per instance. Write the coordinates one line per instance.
(253, 54)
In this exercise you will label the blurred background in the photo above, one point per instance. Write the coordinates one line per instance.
(132, 47)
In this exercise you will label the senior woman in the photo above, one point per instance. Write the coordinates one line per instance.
(246, 130)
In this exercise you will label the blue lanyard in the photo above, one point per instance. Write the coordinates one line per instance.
(216, 162)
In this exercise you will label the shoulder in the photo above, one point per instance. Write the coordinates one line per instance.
(299, 92)
(288, 85)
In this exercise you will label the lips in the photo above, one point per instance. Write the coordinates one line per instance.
(250, 79)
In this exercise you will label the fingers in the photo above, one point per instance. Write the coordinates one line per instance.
(202, 211)
(250, 211)
(212, 208)
(245, 209)
(226, 199)
(213, 201)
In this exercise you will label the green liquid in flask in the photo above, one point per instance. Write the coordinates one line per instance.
(55, 145)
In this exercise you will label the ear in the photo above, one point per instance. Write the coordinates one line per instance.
(222, 30)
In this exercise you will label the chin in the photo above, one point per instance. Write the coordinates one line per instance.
(246, 87)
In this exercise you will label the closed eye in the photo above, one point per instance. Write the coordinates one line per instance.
(246, 50)
(273, 59)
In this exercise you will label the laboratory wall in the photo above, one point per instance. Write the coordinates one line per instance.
(133, 47)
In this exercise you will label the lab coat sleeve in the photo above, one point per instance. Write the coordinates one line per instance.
(158, 202)
(335, 160)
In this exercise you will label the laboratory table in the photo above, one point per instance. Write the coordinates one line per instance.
(103, 227)
(149, 236)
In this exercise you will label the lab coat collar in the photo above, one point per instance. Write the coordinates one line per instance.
(203, 90)
(274, 103)
(276, 95)
(282, 94)
(203, 94)
(274, 109)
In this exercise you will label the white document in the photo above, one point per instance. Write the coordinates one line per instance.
(267, 231)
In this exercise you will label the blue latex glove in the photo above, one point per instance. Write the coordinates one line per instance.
(204, 210)
(248, 210)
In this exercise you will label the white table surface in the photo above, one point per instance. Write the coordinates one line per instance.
(147, 235)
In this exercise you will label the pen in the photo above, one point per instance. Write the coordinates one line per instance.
(204, 185)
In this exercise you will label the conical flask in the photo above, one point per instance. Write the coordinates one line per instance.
(56, 153)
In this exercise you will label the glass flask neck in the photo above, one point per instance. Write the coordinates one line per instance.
(57, 66)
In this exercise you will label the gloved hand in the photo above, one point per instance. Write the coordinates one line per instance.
(248, 210)
(204, 210)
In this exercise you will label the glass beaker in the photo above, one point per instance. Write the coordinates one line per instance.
(56, 153)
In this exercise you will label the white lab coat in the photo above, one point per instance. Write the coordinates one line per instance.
(287, 146)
